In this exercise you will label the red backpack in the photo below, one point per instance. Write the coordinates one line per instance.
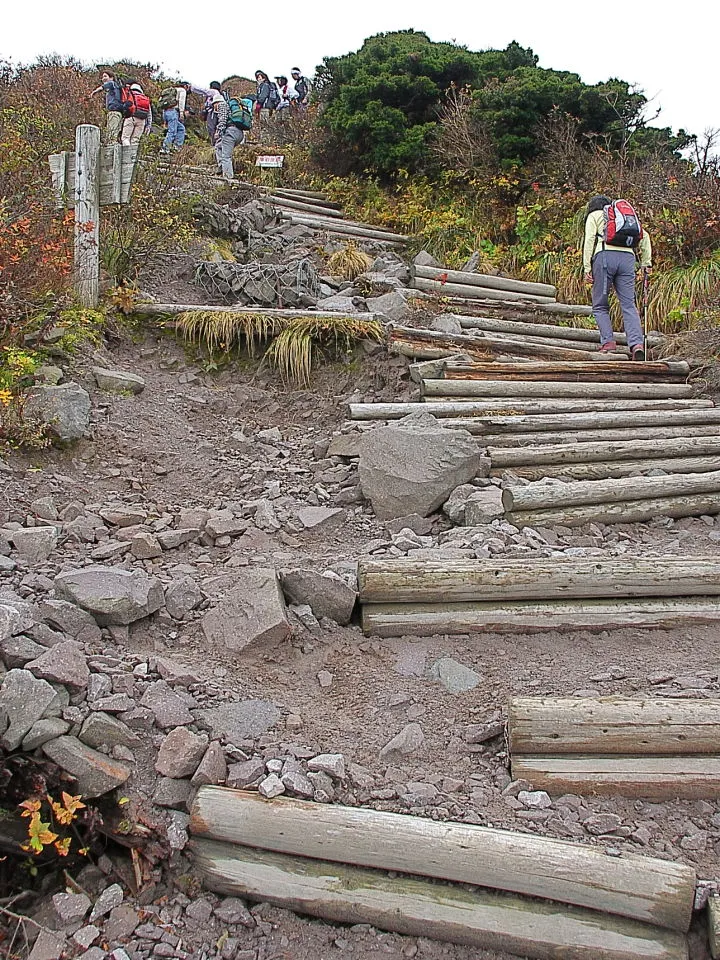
(134, 104)
(622, 225)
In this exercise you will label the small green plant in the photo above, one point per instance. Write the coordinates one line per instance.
(56, 831)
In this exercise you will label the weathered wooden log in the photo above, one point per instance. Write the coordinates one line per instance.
(548, 496)
(639, 417)
(472, 292)
(613, 726)
(287, 204)
(713, 911)
(555, 331)
(613, 469)
(580, 436)
(484, 581)
(578, 346)
(626, 511)
(542, 388)
(645, 889)
(652, 778)
(315, 202)
(346, 227)
(430, 619)
(414, 342)
(477, 918)
(516, 309)
(305, 195)
(485, 280)
(486, 412)
(609, 371)
(604, 450)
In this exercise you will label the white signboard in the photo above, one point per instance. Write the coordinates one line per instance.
(269, 162)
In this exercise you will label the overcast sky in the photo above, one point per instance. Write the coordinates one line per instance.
(671, 53)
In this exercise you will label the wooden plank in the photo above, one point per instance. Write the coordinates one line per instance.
(545, 496)
(516, 310)
(649, 778)
(628, 433)
(610, 371)
(474, 918)
(626, 511)
(613, 469)
(540, 416)
(613, 726)
(642, 888)
(114, 186)
(471, 292)
(415, 342)
(87, 214)
(539, 389)
(405, 580)
(288, 204)
(431, 619)
(176, 309)
(348, 227)
(604, 450)
(488, 281)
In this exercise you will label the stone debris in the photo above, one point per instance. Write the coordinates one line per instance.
(236, 722)
(64, 663)
(25, 699)
(453, 675)
(252, 610)
(64, 409)
(112, 595)
(95, 773)
(327, 594)
(180, 753)
(119, 380)
(405, 743)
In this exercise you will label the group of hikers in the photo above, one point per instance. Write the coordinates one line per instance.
(227, 118)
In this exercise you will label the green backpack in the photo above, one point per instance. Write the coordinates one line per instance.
(240, 115)
(168, 98)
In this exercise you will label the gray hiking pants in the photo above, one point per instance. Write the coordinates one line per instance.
(224, 149)
(615, 268)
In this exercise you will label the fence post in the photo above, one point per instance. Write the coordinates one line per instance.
(87, 213)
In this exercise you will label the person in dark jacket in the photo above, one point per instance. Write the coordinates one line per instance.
(113, 104)
(302, 87)
(267, 95)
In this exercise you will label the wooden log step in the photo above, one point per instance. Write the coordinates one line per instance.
(313, 208)
(482, 581)
(614, 469)
(639, 417)
(476, 918)
(610, 371)
(515, 309)
(649, 778)
(602, 450)
(625, 511)
(472, 292)
(713, 911)
(315, 200)
(579, 436)
(613, 726)
(175, 309)
(432, 619)
(642, 888)
(541, 388)
(578, 346)
(554, 331)
(485, 412)
(479, 348)
(488, 281)
(548, 496)
(348, 226)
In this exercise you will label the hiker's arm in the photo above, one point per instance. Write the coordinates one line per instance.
(182, 100)
(589, 243)
(645, 251)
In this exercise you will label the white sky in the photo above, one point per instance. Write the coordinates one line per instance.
(671, 52)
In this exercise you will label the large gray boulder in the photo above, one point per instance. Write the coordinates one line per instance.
(326, 594)
(65, 410)
(413, 466)
(251, 610)
(112, 595)
(391, 305)
(246, 720)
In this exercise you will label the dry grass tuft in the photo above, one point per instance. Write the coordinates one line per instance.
(349, 262)
(225, 330)
(293, 350)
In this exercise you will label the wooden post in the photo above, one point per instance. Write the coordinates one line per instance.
(87, 213)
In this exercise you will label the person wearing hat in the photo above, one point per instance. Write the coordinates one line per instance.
(140, 120)
(287, 96)
(302, 87)
(227, 136)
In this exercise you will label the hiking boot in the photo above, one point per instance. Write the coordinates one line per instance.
(609, 347)
(638, 353)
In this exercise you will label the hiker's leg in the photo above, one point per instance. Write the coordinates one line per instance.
(625, 289)
(170, 118)
(127, 131)
(600, 301)
(114, 127)
(179, 134)
(218, 155)
(232, 137)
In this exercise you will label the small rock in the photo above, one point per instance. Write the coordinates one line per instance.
(213, 768)
(233, 911)
(182, 596)
(246, 773)
(453, 675)
(64, 663)
(271, 786)
(43, 731)
(24, 700)
(112, 595)
(246, 720)
(172, 793)
(534, 799)
(407, 742)
(199, 910)
(180, 753)
(297, 782)
(70, 907)
(95, 773)
(121, 923)
(110, 898)
(118, 380)
(170, 709)
(35, 544)
(330, 763)
(601, 823)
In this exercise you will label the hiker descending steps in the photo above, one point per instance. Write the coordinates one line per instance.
(614, 240)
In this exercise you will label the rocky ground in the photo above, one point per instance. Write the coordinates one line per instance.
(193, 489)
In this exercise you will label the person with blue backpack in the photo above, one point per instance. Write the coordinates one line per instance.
(234, 118)
(615, 243)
